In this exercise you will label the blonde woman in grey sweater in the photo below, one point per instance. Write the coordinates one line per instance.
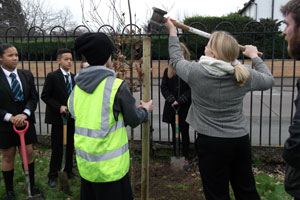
(218, 85)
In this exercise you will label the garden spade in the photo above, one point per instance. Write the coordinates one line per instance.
(176, 161)
(62, 176)
(22, 133)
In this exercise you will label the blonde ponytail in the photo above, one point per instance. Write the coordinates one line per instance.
(241, 74)
(226, 48)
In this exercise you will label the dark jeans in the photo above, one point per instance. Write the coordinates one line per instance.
(117, 190)
(224, 160)
(185, 137)
(57, 149)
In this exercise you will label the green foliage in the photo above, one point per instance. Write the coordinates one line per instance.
(263, 34)
(182, 187)
(256, 160)
(159, 48)
(11, 15)
(230, 23)
(271, 188)
(41, 178)
(39, 49)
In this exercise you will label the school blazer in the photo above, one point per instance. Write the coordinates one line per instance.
(7, 103)
(55, 95)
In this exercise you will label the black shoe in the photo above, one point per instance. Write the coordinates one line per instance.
(52, 182)
(71, 175)
(35, 191)
(10, 195)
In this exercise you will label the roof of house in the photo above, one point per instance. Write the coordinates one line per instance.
(246, 5)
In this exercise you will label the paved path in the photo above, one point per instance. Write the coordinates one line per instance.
(269, 120)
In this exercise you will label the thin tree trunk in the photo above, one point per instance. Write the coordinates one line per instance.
(146, 125)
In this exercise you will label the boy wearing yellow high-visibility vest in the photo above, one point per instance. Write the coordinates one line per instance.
(102, 106)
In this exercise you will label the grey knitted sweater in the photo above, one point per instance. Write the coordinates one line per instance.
(217, 102)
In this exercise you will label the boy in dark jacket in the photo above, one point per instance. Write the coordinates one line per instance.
(57, 88)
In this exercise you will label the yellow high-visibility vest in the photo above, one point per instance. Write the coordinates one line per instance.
(100, 142)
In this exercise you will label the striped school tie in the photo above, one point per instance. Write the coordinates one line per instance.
(68, 84)
(16, 88)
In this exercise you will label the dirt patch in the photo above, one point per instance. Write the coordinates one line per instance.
(168, 184)
(268, 160)
(165, 184)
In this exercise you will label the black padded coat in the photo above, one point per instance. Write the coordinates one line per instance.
(175, 89)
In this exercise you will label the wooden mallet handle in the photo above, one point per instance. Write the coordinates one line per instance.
(203, 34)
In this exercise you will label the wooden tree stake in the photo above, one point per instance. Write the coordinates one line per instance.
(146, 125)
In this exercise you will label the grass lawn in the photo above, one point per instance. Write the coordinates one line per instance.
(270, 186)
(42, 159)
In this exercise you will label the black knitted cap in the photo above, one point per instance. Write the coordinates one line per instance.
(96, 47)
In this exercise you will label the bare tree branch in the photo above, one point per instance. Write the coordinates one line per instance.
(93, 16)
(42, 15)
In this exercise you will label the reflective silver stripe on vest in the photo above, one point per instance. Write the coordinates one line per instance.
(71, 105)
(102, 157)
(105, 130)
(106, 104)
(98, 133)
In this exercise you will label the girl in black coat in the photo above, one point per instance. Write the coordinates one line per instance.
(177, 95)
(15, 109)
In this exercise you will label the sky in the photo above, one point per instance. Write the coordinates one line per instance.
(177, 9)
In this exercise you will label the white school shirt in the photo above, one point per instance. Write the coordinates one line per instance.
(7, 73)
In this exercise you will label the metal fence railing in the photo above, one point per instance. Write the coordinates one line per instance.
(269, 113)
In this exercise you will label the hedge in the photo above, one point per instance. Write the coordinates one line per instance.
(41, 49)
(264, 34)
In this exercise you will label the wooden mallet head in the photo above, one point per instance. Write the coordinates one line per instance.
(157, 18)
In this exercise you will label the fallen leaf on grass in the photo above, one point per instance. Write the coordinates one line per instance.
(278, 183)
(20, 183)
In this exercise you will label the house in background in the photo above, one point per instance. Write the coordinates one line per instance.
(258, 9)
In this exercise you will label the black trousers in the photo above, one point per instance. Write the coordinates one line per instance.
(185, 137)
(117, 190)
(57, 149)
(223, 161)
